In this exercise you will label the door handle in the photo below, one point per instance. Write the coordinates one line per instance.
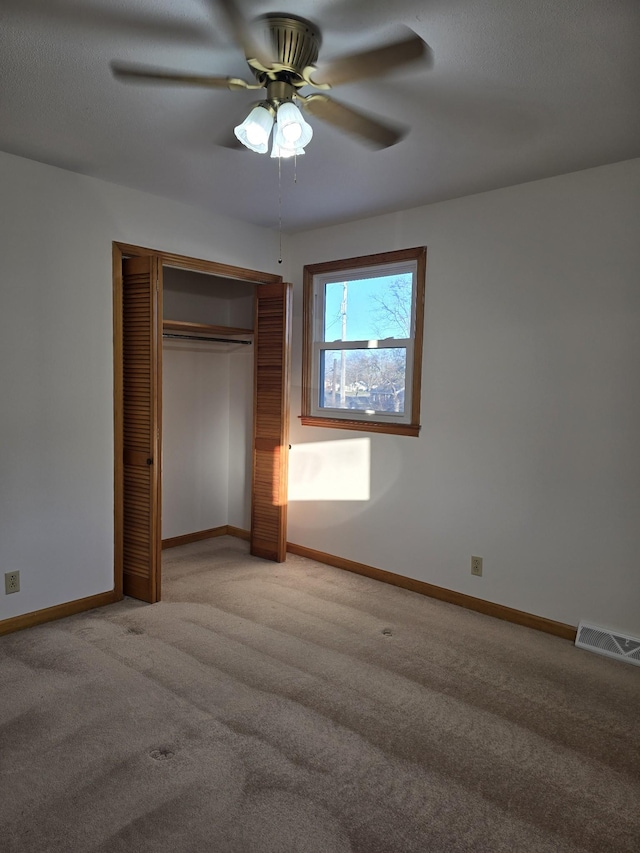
(149, 461)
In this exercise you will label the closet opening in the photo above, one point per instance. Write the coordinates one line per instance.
(207, 405)
(201, 402)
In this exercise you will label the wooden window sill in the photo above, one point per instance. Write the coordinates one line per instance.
(412, 430)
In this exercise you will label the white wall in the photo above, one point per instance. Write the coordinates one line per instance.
(528, 454)
(194, 297)
(240, 437)
(56, 363)
(241, 315)
(195, 438)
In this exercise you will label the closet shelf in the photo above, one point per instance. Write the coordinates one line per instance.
(205, 332)
(203, 328)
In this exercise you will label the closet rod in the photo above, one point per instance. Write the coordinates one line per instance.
(203, 338)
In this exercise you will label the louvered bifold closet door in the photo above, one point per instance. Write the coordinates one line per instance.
(271, 421)
(142, 331)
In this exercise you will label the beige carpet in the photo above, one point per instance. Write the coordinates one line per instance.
(297, 708)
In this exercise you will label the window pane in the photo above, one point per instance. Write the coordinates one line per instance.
(371, 380)
(368, 309)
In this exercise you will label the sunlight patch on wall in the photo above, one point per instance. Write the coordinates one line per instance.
(331, 471)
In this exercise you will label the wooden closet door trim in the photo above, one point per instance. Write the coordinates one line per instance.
(169, 259)
(272, 365)
(121, 250)
(118, 424)
(141, 425)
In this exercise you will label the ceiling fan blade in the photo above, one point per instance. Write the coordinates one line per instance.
(370, 130)
(145, 74)
(244, 34)
(375, 62)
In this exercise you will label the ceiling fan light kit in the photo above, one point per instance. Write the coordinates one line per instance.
(281, 52)
(292, 127)
(284, 153)
(283, 147)
(290, 135)
(255, 129)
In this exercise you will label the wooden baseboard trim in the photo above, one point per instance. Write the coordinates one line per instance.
(498, 611)
(175, 541)
(489, 608)
(223, 530)
(58, 611)
(239, 532)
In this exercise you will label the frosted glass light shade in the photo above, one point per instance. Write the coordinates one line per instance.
(292, 131)
(255, 129)
(277, 151)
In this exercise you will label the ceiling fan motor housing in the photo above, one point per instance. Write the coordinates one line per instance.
(295, 41)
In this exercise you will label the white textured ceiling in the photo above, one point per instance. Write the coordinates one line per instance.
(520, 90)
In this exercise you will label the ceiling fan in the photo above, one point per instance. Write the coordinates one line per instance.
(282, 51)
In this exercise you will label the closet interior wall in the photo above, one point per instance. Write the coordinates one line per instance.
(207, 407)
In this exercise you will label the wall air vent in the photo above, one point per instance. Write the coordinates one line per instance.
(609, 643)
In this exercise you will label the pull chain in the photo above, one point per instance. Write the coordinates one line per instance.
(295, 181)
(280, 207)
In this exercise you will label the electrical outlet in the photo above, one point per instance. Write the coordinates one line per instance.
(11, 582)
(476, 566)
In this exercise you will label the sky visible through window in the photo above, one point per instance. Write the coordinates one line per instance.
(376, 308)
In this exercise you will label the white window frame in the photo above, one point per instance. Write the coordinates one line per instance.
(317, 277)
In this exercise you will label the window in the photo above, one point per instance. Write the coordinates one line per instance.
(363, 342)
